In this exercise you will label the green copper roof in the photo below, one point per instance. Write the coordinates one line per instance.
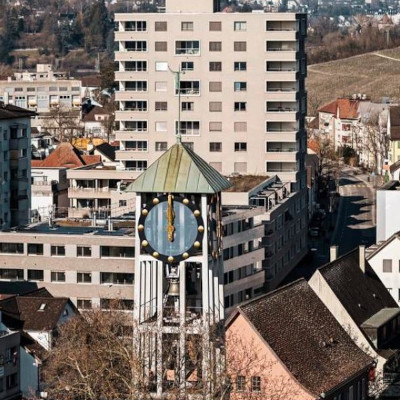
(179, 170)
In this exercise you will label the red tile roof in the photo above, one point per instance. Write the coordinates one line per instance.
(66, 155)
(342, 108)
(314, 145)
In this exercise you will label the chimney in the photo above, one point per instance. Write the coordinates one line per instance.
(362, 257)
(333, 253)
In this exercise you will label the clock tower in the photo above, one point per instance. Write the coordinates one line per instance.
(179, 301)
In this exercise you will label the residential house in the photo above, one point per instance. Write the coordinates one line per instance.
(287, 345)
(354, 294)
(393, 132)
(106, 152)
(95, 122)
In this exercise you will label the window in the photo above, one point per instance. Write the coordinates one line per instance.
(107, 304)
(160, 46)
(12, 248)
(136, 105)
(161, 86)
(161, 66)
(240, 86)
(187, 47)
(11, 381)
(215, 106)
(187, 106)
(186, 26)
(215, 86)
(215, 26)
(240, 146)
(215, 46)
(161, 126)
(116, 278)
(240, 383)
(136, 145)
(215, 66)
(240, 106)
(240, 66)
(12, 274)
(161, 106)
(240, 126)
(57, 276)
(215, 146)
(84, 304)
(136, 45)
(117, 251)
(215, 126)
(256, 384)
(239, 26)
(239, 46)
(84, 251)
(122, 203)
(35, 275)
(161, 146)
(136, 126)
(84, 277)
(188, 88)
(187, 66)
(387, 265)
(137, 165)
(188, 128)
(136, 86)
(160, 26)
(136, 26)
(189, 145)
(58, 250)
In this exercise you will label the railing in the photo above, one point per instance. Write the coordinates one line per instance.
(186, 92)
(280, 49)
(135, 109)
(281, 109)
(282, 29)
(293, 129)
(180, 51)
(282, 90)
(281, 169)
(281, 69)
(282, 150)
(134, 70)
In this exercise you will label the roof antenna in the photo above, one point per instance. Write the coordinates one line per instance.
(178, 88)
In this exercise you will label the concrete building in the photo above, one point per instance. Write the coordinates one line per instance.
(257, 124)
(15, 168)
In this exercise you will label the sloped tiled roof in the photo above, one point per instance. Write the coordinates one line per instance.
(107, 150)
(180, 170)
(9, 111)
(361, 294)
(91, 115)
(306, 337)
(342, 108)
(66, 155)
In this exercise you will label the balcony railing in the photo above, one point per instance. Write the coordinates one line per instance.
(281, 109)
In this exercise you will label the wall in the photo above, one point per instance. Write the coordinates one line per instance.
(29, 374)
(387, 219)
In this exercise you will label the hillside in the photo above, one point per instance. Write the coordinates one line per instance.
(375, 74)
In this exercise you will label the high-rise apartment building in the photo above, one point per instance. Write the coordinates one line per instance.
(242, 95)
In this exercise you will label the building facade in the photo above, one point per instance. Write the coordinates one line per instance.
(257, 124)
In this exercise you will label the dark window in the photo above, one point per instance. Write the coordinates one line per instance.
(84, 304)
(12, 274)
(83, 251)
(215, 146)
(11, 381)
(116, 251)
(116, 278)
(84, 277)
(12, 248)
(240, 383)
(189, 106)
(240, 146)
(35, 274)
(161, 146)
(160, 46)
(239, 46)
(256, 384)
(186, 26)
(161, 106)
(58, 250)
(160, 26)
(187, 66)
(240, 66)
(240, 86)
(240, 106)
(215, 66)
(107, 304)
(215, 46)
(215, 25)
(57, 276)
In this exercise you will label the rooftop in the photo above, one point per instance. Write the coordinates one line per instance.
(342, 108)
(244, 183)
(8, 111)
(381, 317)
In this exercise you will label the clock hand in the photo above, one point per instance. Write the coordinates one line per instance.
(170, 219)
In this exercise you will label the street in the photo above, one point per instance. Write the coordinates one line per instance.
(351, 225)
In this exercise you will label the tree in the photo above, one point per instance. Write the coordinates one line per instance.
(64, 122)
(97, 25)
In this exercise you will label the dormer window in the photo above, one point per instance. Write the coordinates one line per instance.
(42, 307)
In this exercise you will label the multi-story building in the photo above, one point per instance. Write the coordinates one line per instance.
(15, 156)
(240, 93)
(54, 96)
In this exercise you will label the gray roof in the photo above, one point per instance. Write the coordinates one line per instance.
(381, 317)
(180, 170)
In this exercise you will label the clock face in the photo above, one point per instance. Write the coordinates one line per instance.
(170, 228)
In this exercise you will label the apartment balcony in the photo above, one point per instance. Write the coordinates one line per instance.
(130, 55)
(129, 115)
(282, 35)
(281, 55)
(282, 116)
(128, 135)
(126, 75)
(89, 193)
(235, 239)
(250, 281)
(281, 76)
(290, 157)
(282, 95)
(124, 36)
(130, 154)
(244, 259)
(123, 95)
(282, 167)
(284, 136)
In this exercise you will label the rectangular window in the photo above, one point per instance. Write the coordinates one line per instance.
(188, 88)
(161, 106)
(35, 249)
(136, 45)
(161, 66)
(215, 126)
(57, 276)
(256, 384)
(58, 250)
(137, 165)
(187, 47)
(239, 26)
(215, 106)
(215, 66)
(161, 86)
(240, 66)
(136, 26)
(136, 105)
(161, 146)
(117, 252)
(215, 146)
(215, 46)
(84, 277)
(239, 46)
(240, 106)
(84, 304)
(136, 126)
(215, 86)
(136, 86)
(240, 146)
(160, 26)
(240, 383)
(188, 128)
(12, 274)
(35, 275)
(136, 145)
(387, 265)
(240, 126)
(108, 304)
(84, 251)
(12, 248)
(215, 26)
(240, 86)
(160, 46)
(187, 66)
(161, 126)
(187, 106)
(116, 278)
(186, 26)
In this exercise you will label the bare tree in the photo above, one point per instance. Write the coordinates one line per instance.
(64, 122)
